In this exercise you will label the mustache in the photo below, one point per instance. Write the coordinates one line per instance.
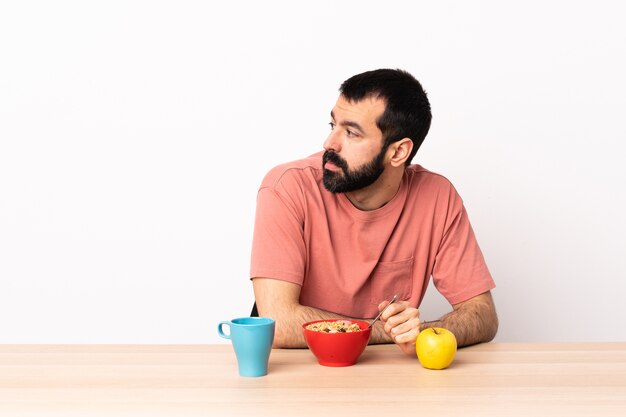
(331, 156)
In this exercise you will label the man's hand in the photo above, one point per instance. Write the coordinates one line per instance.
(402, 324)
(472, 321)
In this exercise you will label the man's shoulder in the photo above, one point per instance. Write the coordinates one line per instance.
(306, 169)
(423, 182)
(419, 174)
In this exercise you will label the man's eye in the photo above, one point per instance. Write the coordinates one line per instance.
(350, 133)
(332, 125)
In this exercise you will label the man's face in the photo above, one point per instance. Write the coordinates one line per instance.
(354, 153)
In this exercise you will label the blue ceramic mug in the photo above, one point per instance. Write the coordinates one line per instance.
(252, 339)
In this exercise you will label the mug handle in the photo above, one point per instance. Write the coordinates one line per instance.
(221, 332)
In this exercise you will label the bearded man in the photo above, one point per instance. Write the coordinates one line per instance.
(338, 233)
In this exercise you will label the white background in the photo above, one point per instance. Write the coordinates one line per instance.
(134, 135)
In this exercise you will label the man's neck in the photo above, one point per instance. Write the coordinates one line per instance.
(382, 191)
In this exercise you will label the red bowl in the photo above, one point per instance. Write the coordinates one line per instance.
(337, 349)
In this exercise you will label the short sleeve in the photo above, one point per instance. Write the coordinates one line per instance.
(460, 271)
(278, 246)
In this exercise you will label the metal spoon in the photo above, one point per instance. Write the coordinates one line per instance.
(393, 300)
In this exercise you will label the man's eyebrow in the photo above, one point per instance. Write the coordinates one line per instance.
(348, 123)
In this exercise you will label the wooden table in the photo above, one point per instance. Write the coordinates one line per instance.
(582, 379)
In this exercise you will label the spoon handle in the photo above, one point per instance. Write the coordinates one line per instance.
(393, 300)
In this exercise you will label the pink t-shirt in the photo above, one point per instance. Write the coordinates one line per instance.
(347, 260)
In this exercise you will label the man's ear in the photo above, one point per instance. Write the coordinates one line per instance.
(400, 151)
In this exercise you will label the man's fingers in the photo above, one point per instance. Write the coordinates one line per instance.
(402, 322)
(393, 309)
(399, 314)
(406, 332)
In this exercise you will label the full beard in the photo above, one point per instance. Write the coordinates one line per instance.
(347, 180)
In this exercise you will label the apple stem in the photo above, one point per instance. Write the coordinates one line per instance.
(435, 330)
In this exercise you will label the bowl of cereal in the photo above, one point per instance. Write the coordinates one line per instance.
(337, 342)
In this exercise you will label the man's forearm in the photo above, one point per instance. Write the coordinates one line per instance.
(280, 301)
(472, 322)
(289, 326)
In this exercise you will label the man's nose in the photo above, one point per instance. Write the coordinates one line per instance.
(332, 142)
